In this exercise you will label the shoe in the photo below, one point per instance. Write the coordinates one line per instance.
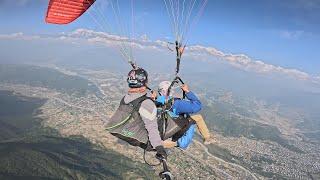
(209, 140)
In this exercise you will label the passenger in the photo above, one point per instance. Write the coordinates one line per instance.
(188, 107)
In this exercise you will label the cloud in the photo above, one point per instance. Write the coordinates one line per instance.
(111, 40)
(292, 34)
(18, 36)
(196, 52)
(245, 62)
(11, 36)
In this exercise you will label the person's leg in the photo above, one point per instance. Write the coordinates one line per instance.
(203, 129)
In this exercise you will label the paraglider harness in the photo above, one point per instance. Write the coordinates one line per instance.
(126, 124)
(172, 127)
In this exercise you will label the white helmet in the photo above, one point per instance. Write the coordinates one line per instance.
(163, 87)
(163, 90)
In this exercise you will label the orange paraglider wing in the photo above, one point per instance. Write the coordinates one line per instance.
(66, 11)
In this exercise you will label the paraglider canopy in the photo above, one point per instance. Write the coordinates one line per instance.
(66, 11)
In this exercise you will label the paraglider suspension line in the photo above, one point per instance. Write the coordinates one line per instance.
(176, 80)
(178, 46)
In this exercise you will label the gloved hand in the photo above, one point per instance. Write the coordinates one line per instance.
(161, 153)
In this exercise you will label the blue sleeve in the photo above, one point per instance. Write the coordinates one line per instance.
(186, 139)
(192, 105)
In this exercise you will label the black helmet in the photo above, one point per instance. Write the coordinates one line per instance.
(137, 78)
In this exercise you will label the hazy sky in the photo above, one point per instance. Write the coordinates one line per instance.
(285, 33)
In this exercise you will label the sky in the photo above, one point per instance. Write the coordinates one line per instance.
(283, 33)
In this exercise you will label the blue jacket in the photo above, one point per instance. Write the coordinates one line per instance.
(190, 106)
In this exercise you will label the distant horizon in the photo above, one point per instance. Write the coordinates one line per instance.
(143, 47)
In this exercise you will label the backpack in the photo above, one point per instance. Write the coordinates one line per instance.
(127, 124)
